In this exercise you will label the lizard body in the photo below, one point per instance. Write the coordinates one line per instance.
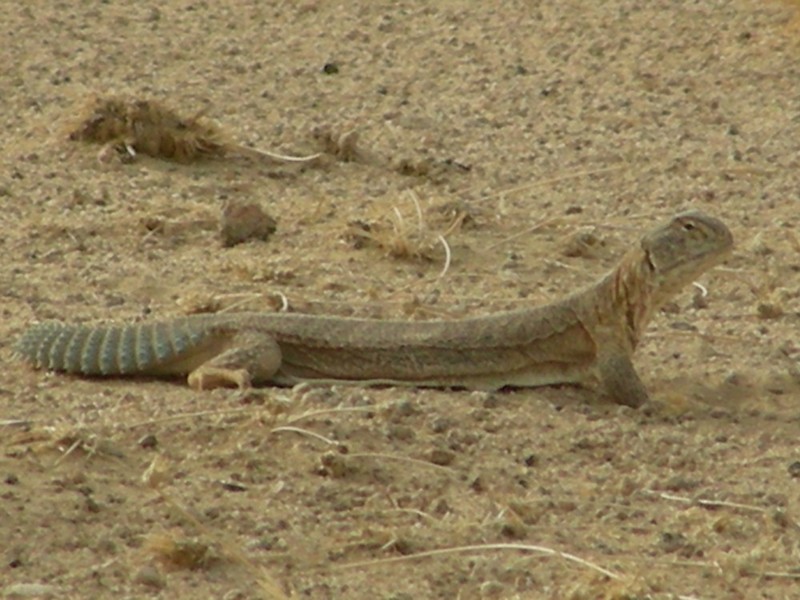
(589, 336)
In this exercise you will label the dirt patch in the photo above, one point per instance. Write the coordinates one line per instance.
(523, 146)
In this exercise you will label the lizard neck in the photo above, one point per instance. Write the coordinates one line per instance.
(633, 293)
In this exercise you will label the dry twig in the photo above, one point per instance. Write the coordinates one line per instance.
(482, 548)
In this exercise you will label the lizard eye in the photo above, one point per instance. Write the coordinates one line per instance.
(688, 226)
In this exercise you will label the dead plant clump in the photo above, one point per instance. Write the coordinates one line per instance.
(63, 441)
(129, 126)
(434, 170)
(342, 145)
(404, 238)
(176, 551)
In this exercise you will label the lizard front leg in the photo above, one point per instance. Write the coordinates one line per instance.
(620, 381)
(250, 357)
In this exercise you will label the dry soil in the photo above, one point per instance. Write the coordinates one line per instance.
(538, 139)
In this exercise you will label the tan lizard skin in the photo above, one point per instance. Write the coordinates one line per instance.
(587, 337)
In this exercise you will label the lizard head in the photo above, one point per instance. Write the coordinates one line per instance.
(681, 249)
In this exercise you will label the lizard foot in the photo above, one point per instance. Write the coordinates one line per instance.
(207, 378)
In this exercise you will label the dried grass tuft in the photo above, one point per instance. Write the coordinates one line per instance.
(178, 552)
(130, 126)
(403, 238)
(342, 145)
(66, 441)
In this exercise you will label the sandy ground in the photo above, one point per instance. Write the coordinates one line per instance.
(539, 139)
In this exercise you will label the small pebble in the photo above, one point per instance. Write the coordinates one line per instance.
(767, 310)
(335, 464)
(442, 456)
(330, 68)
(244, 221)
(148, 441)
(150, 576)
(233, 486)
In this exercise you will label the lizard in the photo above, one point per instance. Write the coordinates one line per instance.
(586, 338)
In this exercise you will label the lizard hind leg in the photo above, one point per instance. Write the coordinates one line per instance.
(250, 357)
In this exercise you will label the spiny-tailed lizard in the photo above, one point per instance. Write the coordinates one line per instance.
(587, 337)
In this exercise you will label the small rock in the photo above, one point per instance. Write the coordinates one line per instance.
(233, 486)
(782, 519)
(700, 298)
(330, 68)
(680, 483)
(441, 507)
(243, 221)
(476, 484)
(768, 310)
(513, 529)
(671, 308)
(92, 505)
(150, 576)
(442, 456)
(148, 441)
(14, 556)
(735, 378)
(719, 413)
(334, 464)
(441, 424)
(672, 542)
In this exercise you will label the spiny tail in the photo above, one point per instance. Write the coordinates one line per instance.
(107, 350)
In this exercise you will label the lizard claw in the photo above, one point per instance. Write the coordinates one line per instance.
(207, 378)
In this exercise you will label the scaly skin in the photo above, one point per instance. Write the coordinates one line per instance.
(587, 337)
